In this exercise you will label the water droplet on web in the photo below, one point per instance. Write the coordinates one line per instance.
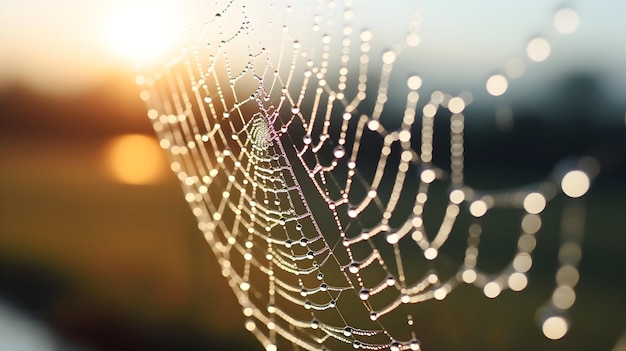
(295, 110)
(364, 294)
(307, 139)
(354, 267)
(395, 346)
(226, 115)
(339, 152)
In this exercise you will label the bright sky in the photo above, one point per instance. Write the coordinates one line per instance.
(63, 45)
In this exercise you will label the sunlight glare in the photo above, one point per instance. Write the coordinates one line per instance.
(141, 30)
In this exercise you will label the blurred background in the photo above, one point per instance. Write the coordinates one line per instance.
(99, 251)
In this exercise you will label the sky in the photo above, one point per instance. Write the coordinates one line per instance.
(64, 46)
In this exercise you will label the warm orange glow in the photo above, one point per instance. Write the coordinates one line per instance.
(142, 30)
(135, 159)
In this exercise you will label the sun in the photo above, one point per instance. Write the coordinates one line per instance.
(142, 31)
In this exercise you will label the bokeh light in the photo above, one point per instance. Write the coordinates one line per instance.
(517, 281)
(554, 327)
(575, 183)
(538, 49)
(534, 203)
(514, 68)
(497, 85)
(135, 159)
(566, 21)
(492, 290)
(456, 105)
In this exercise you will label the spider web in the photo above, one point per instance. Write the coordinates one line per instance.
(311, 170)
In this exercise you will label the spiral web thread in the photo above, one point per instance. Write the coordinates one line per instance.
(311, 189)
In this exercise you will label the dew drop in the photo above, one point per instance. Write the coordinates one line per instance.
(339, 152)
(315, 324)
(354, 267)
(364, 294)
(395, 346)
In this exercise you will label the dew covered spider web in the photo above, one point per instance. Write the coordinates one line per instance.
(313, 174)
